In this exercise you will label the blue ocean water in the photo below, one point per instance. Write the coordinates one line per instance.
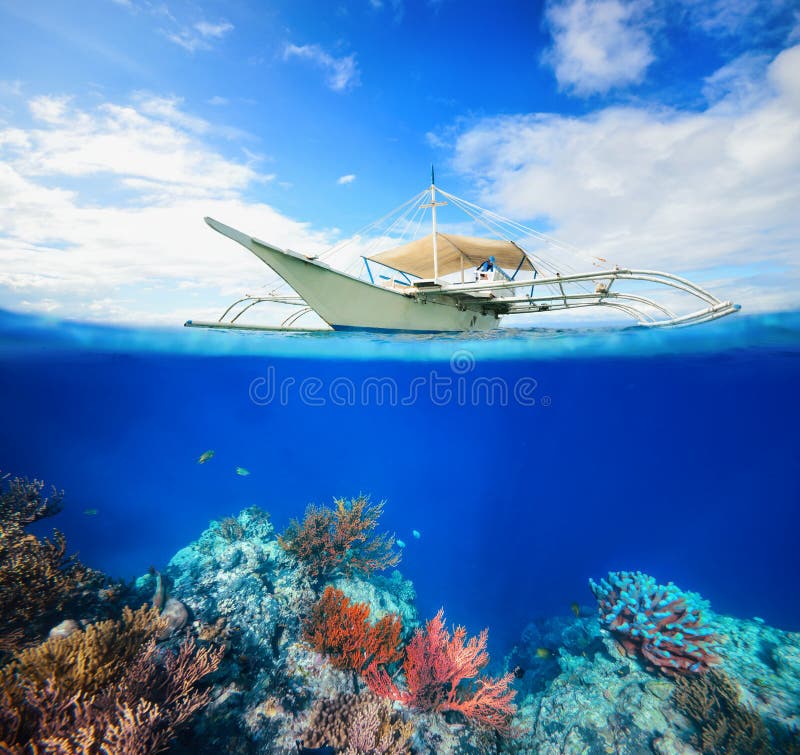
(527, 461)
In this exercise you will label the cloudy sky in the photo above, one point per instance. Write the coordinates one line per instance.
(657, 133)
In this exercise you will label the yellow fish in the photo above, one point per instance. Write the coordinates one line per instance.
(242, 472)
(205, 456)
(576, 609)
(543, 653)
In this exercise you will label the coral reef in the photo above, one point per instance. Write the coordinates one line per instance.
(599, 699)
(435, 666)
(108, 688)
(358, 724)
(37, 578)
(341, 539)
(724, 724)
(270, 685)
(302, 646)
(661, 622)
(343, 633)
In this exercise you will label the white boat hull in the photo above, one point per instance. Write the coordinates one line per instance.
(347, 303)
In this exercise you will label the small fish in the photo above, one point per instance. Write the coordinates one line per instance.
(242, 472)
(758, 619)
(90, 512)
(205, 456)
(400, 544)
(543, 653)
(576, 609)
(416, 534)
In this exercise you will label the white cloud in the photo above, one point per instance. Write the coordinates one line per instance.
(341, 73)
(397, 6)
(348, 179)
(214, 31)
(217, 101)
(126, 239)
(12, 88)
(49, 109)
(199, 36)
(728, 17)
(598, 44)
(658, 187)
(741, 79)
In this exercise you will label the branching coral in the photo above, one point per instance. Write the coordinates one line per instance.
(342, 632)
(106, 689)
(230, 529)
(21, 500)
(436, 666)
(661, 622)
(362, 724)
(36, 576)
(342, 538)
(712, 703)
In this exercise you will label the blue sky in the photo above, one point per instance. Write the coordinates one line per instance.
(665, 132)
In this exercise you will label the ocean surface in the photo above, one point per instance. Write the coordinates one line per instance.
(527, 461)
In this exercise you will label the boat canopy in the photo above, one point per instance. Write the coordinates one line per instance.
(455, 253)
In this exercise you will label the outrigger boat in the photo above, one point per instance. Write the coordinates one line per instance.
(433, 283)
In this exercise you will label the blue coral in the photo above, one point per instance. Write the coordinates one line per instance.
(661, 622)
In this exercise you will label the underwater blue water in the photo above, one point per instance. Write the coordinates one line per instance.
(674, 452)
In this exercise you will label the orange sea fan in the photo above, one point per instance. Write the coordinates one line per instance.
(342, 632)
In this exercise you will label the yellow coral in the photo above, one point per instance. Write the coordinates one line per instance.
(86, 661)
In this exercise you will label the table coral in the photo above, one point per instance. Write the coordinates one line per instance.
(661, 622)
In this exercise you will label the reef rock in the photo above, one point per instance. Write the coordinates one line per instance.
(64, 629)
(593, 697)
(243, 588)
(175, 615)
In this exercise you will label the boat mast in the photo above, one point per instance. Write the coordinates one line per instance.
(433, 205)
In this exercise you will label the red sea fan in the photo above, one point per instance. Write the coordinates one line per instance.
(436, 668)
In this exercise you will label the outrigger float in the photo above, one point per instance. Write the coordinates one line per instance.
(435, 283)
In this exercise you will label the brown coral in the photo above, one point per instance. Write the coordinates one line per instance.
(342, 539)
(712, 702)
(37, 578)
(358, 725)
(230, 529)
(106, 689)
